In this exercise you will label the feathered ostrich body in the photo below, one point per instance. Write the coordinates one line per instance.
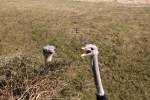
(48, 52)
(92, 51)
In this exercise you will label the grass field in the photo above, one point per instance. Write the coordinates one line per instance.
(121, 32)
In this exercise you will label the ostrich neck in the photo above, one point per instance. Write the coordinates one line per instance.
(96, 73)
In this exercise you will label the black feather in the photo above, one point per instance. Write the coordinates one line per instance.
(101, 97)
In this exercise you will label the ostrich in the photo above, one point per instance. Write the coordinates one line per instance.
(92, 51)
(48, 52)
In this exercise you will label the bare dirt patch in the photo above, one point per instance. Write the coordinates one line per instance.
(120, 1)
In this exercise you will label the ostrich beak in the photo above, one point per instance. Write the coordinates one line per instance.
(86, 52)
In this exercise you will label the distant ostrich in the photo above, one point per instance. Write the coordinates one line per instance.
(92, 51)
(48, 52)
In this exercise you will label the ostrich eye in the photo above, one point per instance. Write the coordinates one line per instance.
(92, 48)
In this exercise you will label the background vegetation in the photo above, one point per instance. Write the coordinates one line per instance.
(122, 33)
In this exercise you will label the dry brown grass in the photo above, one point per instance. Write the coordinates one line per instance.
(121, 32)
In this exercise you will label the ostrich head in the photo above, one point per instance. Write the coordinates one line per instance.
(48, 52)
(90, 50)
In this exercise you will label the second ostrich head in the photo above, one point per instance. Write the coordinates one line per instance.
(48, 52)
(90, 50)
